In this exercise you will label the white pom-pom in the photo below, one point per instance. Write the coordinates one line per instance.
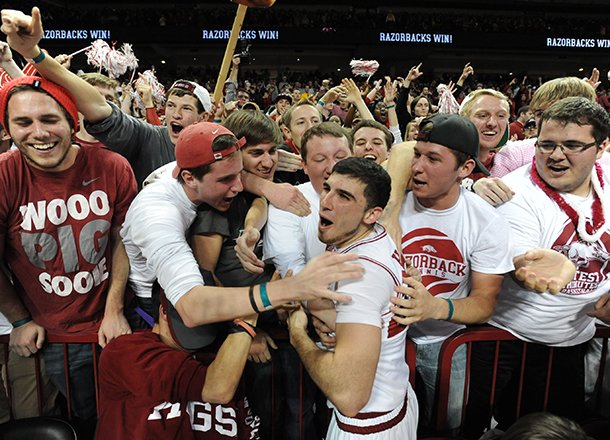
(364, 67)
(158, 91)
(97, 54)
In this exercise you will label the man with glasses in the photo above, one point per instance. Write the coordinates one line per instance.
(559, 205)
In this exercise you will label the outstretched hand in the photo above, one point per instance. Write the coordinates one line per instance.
(244, 249)
(324, 270)
(544, 270)
(23, 31)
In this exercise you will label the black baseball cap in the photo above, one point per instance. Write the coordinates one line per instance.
(285, 96)
(455, 132)
(191, 339)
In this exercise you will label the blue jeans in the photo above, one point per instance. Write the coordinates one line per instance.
(82, 383)
(425, 386)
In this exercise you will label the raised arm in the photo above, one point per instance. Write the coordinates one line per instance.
(7, 63)
(354, 97)
(225, 372)
(399, 169)
(23, 35)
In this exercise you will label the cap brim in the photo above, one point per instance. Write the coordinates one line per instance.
(480, 168)
(194, 338)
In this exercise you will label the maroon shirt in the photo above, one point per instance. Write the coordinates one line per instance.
(149, 390)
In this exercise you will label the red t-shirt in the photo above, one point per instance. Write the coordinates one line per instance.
(56, 228)
(516, 127)
(149, 390)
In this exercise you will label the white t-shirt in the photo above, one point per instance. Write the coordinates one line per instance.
(5, 327)
(446, 245)
(154, 234)
(371, 305)
(537, 221)
(291, 241)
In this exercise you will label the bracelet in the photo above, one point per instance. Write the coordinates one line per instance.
(38, 58)
(218, 121)
(252, 302)
(450, 304)
(21, 322)
(390, 106)
(264, 297)
(241, 326)
(321, 103)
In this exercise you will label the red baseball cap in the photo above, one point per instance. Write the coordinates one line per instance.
(194, 146)
(61, 95)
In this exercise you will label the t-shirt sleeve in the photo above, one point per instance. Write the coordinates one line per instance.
(122, 133)
(126, 191)
(493, 253)
(284, 241)
(370, 295)
(164, 246)
(525, 226)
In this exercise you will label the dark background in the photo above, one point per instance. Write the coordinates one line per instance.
(498, 37)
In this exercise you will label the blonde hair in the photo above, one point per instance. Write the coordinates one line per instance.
(559, 88)
(468, 103)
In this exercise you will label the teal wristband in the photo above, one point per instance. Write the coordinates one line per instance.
(321, 103)
(390, 106)
(21, 322)
(38, 58)
(450, 303)
(264, 297)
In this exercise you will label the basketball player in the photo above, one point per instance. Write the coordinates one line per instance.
(364, 378)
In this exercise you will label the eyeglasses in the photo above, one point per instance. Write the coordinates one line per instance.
(568, 147)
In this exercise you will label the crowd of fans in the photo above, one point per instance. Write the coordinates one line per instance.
(110, 189)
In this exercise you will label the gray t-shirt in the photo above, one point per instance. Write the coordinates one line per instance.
(146, 146)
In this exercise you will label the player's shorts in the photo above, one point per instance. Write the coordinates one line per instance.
(398, 424)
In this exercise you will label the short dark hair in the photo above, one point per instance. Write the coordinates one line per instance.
(376, 180)
(580, 111)
(254, 126)
(221, 143)
(523, 109)
(389, 137)
(324, 129)
(180, 92)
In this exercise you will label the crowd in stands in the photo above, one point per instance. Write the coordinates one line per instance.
(191, 235)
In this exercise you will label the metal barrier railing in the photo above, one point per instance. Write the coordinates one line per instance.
(488, 333)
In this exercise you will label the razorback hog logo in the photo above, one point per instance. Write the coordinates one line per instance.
(591, 260)
(438, 259)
